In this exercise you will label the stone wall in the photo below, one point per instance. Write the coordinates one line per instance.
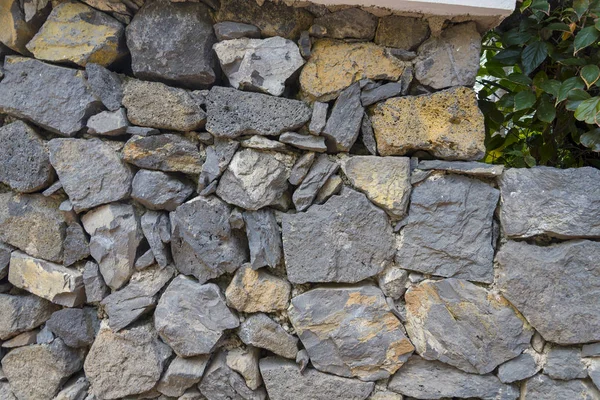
(227, 200)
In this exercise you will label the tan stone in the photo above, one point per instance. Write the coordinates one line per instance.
(16, 30)
(257, 291)
(24, 339)
(401, 32)
(335, 65)
(448, 124)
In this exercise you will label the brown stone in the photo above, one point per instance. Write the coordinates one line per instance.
(257, 291)
(401, 32)
(17, 30)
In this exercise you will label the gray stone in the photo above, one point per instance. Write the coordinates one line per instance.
(255, 179)
(167, 153)
(141, 131)
(383, 92)
(332, 186)
(544, 387)
(182, 374)
(32, 223)
(75, 389)
(284, 381)
(191, 394)
(471, 168)
(519, 368)
(301, 168)
(351, 23)
(393, 281)
(21, 313)
(568, 208)
(91, 172)
(183, 55)
(232, 113)
(95, 288)
(449, 229)
(245, 362)
(345, 120)
(367, 135)
(38, 371)
(264, 238)
(590, 350)
(125, 363)
(25, 164)
(407, 76)
(350, 331)
(53, 189)
(115, 236)
(218, 157)
(557, 288)
(402, 33)
(108, 123)
(203, 243)
(145, 260)
(302, 359)
(75, 326)
(594, 372)
(422, 379)
(76, 245)
(452, 59)
(157, 190)
(304, 142)
(192, 318)
(106, 85)
(449, 321)
(44, 336)
(228, 30)
(137, 298)
(23, 339)
(157, 230)
(5, 392)
(347, 239)
(565, 363)
(29, 86)
(5, 251)
(259, 65)
(156, 105)
(262, 143)
(320, 171)
(261, 331)
(318, 119)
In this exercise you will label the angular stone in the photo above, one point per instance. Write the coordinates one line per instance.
(432, 241)
(452, 59)
(145, 260)
(383, 92)
(125, 363)
(22, 313)
(115, 236)
(385, 181)
(557, 288)
(232, 113)
(544, 387)
(75, 389)
(259, 65)
(261, 331)
(448, 321)
(447, 124)
(141, 131)
(5, 392)
(21, 21)
(351, 23)
(245, 362)
(301, 168)
(44, 336)
(157, 230)
(95, 288)
(255, 179)
(319, 118)
(305, 44)
(108, 123)
(320, 171)
(203, 242)
(519, 368)
(273, 19)
(257, 291)
(5, 251)
(343, 125)
(76, 245)
(38, 371)
(304, 142)
(156, 190)
(590, 350)
(218, 157)
(264, 238)
(23, 339)
(401, 32)
(192, 318)
(30, 85)
(332, 186)
(594, 372)
(477, 169)
(106, 85)
(168, 153)
(262, 143)
(183, 56)
(75, 326)
(335, 65)
(565, 363)
(182, 374)
(284, 381)
(393, 281)
(229, 30)
(91, 172)
(156, 105)
(25, 164)
(424, 379)
(571, 209)
(350, 331)
(367, 135)
(137, 298)
(93, 37)
(347, 239)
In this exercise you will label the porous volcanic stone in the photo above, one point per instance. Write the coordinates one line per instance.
(544, 387)
(182, 374)
(228, 30)
(108, 123)
(218, 156)
(106, 85)
(351, 23)
(21, 313)
(157, 230)
(343, 125)
(168, 153)
(261, 331)
(519, 368)
(21, 20)
(401, 32)
(264, 238)
(320, 171)
(347, 239)
(75, 326)
(156, 190)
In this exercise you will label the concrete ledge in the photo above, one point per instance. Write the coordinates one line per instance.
(489, 8)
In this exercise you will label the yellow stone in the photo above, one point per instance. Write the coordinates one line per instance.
(447, 124)
(77, 33)
(257, 291)
(15, 31)
(335, 65)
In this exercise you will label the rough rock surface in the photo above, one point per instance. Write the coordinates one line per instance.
(21, 20)
(544, 387)
(565, 363)
(472, 168)
(557, 288)
(229, 30)
(21, 313)
(383, 92)
(320, 171)
(264, 238)
(401, 32)
(301, 168)
(106, 85)
(319, 118)
(345, 240)
(245, 362)
(343, 125)
(157, 190)
(168, 153)
(95, 287)
(519, 368)
(447, 320)
(108, 123)
(392, 281)
(218, 157)
(304, 142)
(157, 230)
(75, 326)
(261, 331)
(351, 23)
(182, 374)
(5, 250)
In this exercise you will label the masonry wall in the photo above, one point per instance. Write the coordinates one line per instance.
(233, 200)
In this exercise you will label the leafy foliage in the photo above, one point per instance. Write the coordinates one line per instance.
(540, 85)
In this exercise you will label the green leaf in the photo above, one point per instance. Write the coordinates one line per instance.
(568, 85)
(588, 110)
(546, 111)
(590, 74)
(559, 26)
(575, 97)
(533, 55)
(530, 161)
(515, 37)
(585, 37)
(580, 7)
(591, 140)
(509, 56)
(524, 100)
(519, 78)
(551, 86)
(541, 5)
(507, 101)
(597, 25)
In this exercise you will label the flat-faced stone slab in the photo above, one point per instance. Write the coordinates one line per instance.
(108, 123)
(21, 313)
(343, 125)
(519, 368)
(157, 190)
(218, 157)
(544, 387)
(228, 30)
(470, 168)
(95, 287)
(106, 85)
(259, 330)
(182, 374)
(318, 175)
(264, 238)
(565, 363)
(76, 327)
(351, 23)
(167, 152)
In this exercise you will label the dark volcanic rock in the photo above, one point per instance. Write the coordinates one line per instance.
(345, 120)
(228, 30)
(351, 23)
(264, 238)
(218, 156)
(22, 313)
(75, 326)
(156, 190)
(106, 85)
(320, 171)
(157, 230)
(261, 331)
(544, 387)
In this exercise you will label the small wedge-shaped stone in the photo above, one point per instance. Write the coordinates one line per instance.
(284, 381)
(351, 23)
(24, 165)
(115, 235)
(5, 250)
(383, 92)
(218, 156)
(264, 238)
(262, 143)
(75, 326)
(422, 379)
(350, 331)
(29, 86)
(257, 291)
(182, 374)
(91, 172)
(262, 65)
(106, 85)
(192, 318)
(77, 245)
(347, 239)
(343, 125)
(320, 171)
(301, 168)
(228, 30)
(157, 230)
(261, 331)
(156, 105)
(22, 313)
(544, 387)
(519, 368)
(449, 321)
(95, 288)
(245, 362)
(157, 190)
(304, 142)
(47, 280)
(168, 153)
(108, 123)
(319, 118)
(232, 113)
(203, 242)
(79, 34)
(463, 167)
